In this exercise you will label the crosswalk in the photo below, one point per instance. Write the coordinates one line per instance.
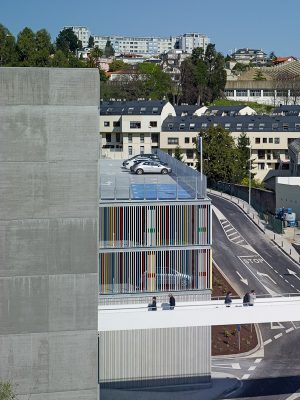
(232, 234)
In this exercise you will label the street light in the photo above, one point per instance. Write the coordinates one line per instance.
(250, 167)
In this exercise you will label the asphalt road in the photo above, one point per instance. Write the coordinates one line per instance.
(251, 261)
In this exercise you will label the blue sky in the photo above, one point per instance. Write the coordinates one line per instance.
(268, 24)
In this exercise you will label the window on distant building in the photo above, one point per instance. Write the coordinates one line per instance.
(261, 165)
(155, 110)
(192, 126)
(186, 140)
(106, 123)
(285, 127)
(129, 137)
(227, 126)
(268, 93)
(239, 127)
(170, 152)
(130, 150)
(135, 124)
(277, 140)
(241, 93)
(261, 126)
(173, 141)
(142, 137)
(204, 125)
(189, 153)
(108, 137)
(255, 93)
(181, 126)
(275, 127)
(261, 154)
(250, 126)
(170, 126)
(116, 124)
(229, 93)
(257, 140)
(118, 137)
(130, 110)
(143, 110)
(153, 124)
(265, 140)
(142, 149)
(270, 140)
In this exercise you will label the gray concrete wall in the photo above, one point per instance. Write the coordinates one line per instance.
(49, 149)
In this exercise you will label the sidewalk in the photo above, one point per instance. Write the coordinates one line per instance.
(221, 385)
(284, 241)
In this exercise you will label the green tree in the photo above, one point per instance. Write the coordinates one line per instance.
(96, 52)
(91, 41)
(259, 76)
(67, 41)
(156, 83)
(203, 76)
(117, 65)
(43, 48)
(103, 77)
(59, 60)
(109, 50)
(6, 391)
(26, 43)
(178, 154)
(8, 55)
(244, 154)
(220, 155)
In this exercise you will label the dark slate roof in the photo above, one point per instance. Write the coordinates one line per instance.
(219, 110)
(136, 107)
(242, 123)
(187, 109)
(287, 110)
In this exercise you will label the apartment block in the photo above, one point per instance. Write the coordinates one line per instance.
(82, 33)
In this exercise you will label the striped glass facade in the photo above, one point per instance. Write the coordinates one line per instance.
(178, 234)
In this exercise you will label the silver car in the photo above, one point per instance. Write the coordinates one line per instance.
(150, 167)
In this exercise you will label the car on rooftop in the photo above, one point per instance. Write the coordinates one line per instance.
(150, 167)
(140, 156)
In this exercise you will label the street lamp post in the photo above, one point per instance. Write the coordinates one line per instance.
(250, 165)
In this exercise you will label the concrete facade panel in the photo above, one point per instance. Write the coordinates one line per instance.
(43, 246)
(23, 134)
(48, 231)
(24, 190)
(24, 304)
(72, 188)
(70, 299)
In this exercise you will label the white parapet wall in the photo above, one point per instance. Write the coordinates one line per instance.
(205, 313)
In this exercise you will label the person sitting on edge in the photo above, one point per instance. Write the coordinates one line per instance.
(172, 301)
(228, 299)
(152, 306)
(252, 297)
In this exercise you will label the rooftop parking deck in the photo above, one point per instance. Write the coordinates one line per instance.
(118, 183)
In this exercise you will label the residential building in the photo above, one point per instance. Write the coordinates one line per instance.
(269, 137)
(256, 57)
(82, 33)
(294, 156)
(154, 238)
(132, 127)
(140, 45)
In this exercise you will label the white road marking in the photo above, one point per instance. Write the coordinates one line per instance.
(228, 230)
(286, 281)
(276, 325)
(241, 241)
(267, 276)
(294, 396)
(292, 286)
(267, 341)
(289, 330)
(244, 280)
(246, 376)
(231, 234)
(230, 365)
(278, 336)
(258, 360)
(281, 276)
(252, 368)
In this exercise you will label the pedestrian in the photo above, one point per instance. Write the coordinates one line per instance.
(228, 299)
(252, 297)
(172, 301)
(152, 306)
(246, 299)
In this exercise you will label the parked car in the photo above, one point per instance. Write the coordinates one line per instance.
(150, 167)
(170, 279)
(149, 155)
(137, 160)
